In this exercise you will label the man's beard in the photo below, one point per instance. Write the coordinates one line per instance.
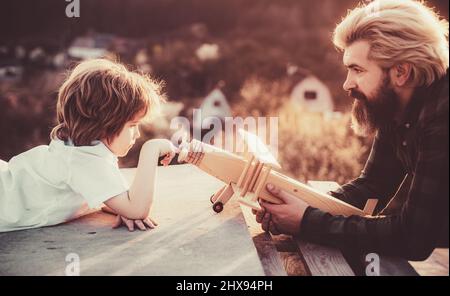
(368, 116)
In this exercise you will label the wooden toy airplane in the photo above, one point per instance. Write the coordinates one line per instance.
(246, 177)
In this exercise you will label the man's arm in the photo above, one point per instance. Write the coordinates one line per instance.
(379, 179)
(413, 232)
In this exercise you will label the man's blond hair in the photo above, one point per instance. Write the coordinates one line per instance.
(399, 31)
(99, 97)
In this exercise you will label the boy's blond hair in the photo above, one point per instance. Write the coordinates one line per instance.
(98, 98)
(399, 31)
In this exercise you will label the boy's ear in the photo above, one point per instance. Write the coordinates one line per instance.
(401, 74)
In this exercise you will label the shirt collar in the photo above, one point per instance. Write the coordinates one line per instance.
(413, 108)
(415, 105)
(97, 148)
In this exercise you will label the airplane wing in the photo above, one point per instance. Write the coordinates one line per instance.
(259, 149)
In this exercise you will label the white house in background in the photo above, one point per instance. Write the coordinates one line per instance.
(20, 52)
(37, 54)
(10, 70)
(214, 105)
(208, 52)
(90, 47)
(59, 60)
(313, 95)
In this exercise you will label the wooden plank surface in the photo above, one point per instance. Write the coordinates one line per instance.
(435, 265)
(392, 266)
(190, 240)
(267, 251)
(323, 260)
(293, 262)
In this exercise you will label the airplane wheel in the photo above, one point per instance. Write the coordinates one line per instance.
(218, 207)
(211, 198)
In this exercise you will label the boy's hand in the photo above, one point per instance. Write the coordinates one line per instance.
(143, 225)
(168, 158)
(165, 148)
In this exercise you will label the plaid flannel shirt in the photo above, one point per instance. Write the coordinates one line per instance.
(417, 146)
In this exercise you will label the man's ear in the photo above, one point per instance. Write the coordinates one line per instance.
(401, 74)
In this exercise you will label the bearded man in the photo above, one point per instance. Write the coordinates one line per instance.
(396, 53)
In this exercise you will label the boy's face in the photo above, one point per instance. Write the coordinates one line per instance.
(122, 143)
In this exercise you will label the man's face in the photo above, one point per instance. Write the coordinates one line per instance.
(375, 99)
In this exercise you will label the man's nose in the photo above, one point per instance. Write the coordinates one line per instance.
(349, 84)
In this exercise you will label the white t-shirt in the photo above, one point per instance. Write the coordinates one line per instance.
(48, 185)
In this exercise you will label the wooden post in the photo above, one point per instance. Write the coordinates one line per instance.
(198, 155)
(244, 172)
(249, 178)
(262, 181)
(189, 156)
(370, 206)
(217, 194)
(225, 195)
(255, 176)
(200, 158)
(193, 151)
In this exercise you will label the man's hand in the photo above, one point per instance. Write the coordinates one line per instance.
(143, 225)
(284, 218)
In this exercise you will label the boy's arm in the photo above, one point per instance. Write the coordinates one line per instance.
(136, 203)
